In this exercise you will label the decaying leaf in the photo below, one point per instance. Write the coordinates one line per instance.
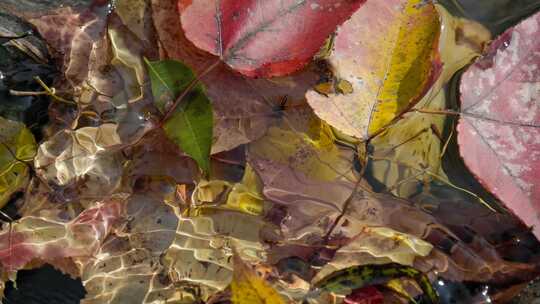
(268, 38)
(46, 239)
(86, 157)
(248, 288)
(388, 52)
(17, 149)
(382, 243)
(135, 15)
(498, 128)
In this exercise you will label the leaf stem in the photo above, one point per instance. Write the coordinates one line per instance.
(343, 211)
(52, 92)
(191, 85)
(440, 112)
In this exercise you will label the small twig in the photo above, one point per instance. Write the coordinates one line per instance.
(447, 143)
(440, 112)
(343, 211)
(27, 93)
(52, 92)
(15, 36)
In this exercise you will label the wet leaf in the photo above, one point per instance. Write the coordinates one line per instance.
(388, 52)
(83, 160)
(498, 127)
(345, 281)
(248, 288)
(409, 152)
(49, 238)
(263, 39)
(135, 15)
(190, 127)
(115, 202)
(17, 150)
(243, 108)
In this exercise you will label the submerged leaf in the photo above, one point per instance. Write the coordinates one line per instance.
(84, 160)
(17, 146)
(190, 127)
(248, 288)
(499, 126)
(343, 282)
(388, 52)
(48, 239)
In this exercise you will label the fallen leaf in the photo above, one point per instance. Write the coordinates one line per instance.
(127, 267)
(500, 117)
(243, 108)
(71, 34)
(381, 242)
(248, 288)
(17, 150)
(388, 52)
(409, 152)
(190, 127)
(71, 159)
(48, 239)
(263, 39)
(343, 282)
(136, 16)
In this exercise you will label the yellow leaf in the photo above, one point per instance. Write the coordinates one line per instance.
(310, 149)
(248, 288)
(388, 53)
(409, 152)
(246, 196)
(17, 146)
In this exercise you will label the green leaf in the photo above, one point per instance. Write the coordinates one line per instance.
(17, 146)
(190, 127)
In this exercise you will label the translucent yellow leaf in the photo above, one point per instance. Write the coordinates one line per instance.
(248, 288)
(17, 146)
(310, 148)
(246, 196)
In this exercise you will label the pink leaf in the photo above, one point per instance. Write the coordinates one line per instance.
(263, 38)
(45, 239)
(499, 131)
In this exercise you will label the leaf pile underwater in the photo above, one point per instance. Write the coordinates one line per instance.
(277, 152)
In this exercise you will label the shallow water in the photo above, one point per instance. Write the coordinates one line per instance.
(513, 241)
